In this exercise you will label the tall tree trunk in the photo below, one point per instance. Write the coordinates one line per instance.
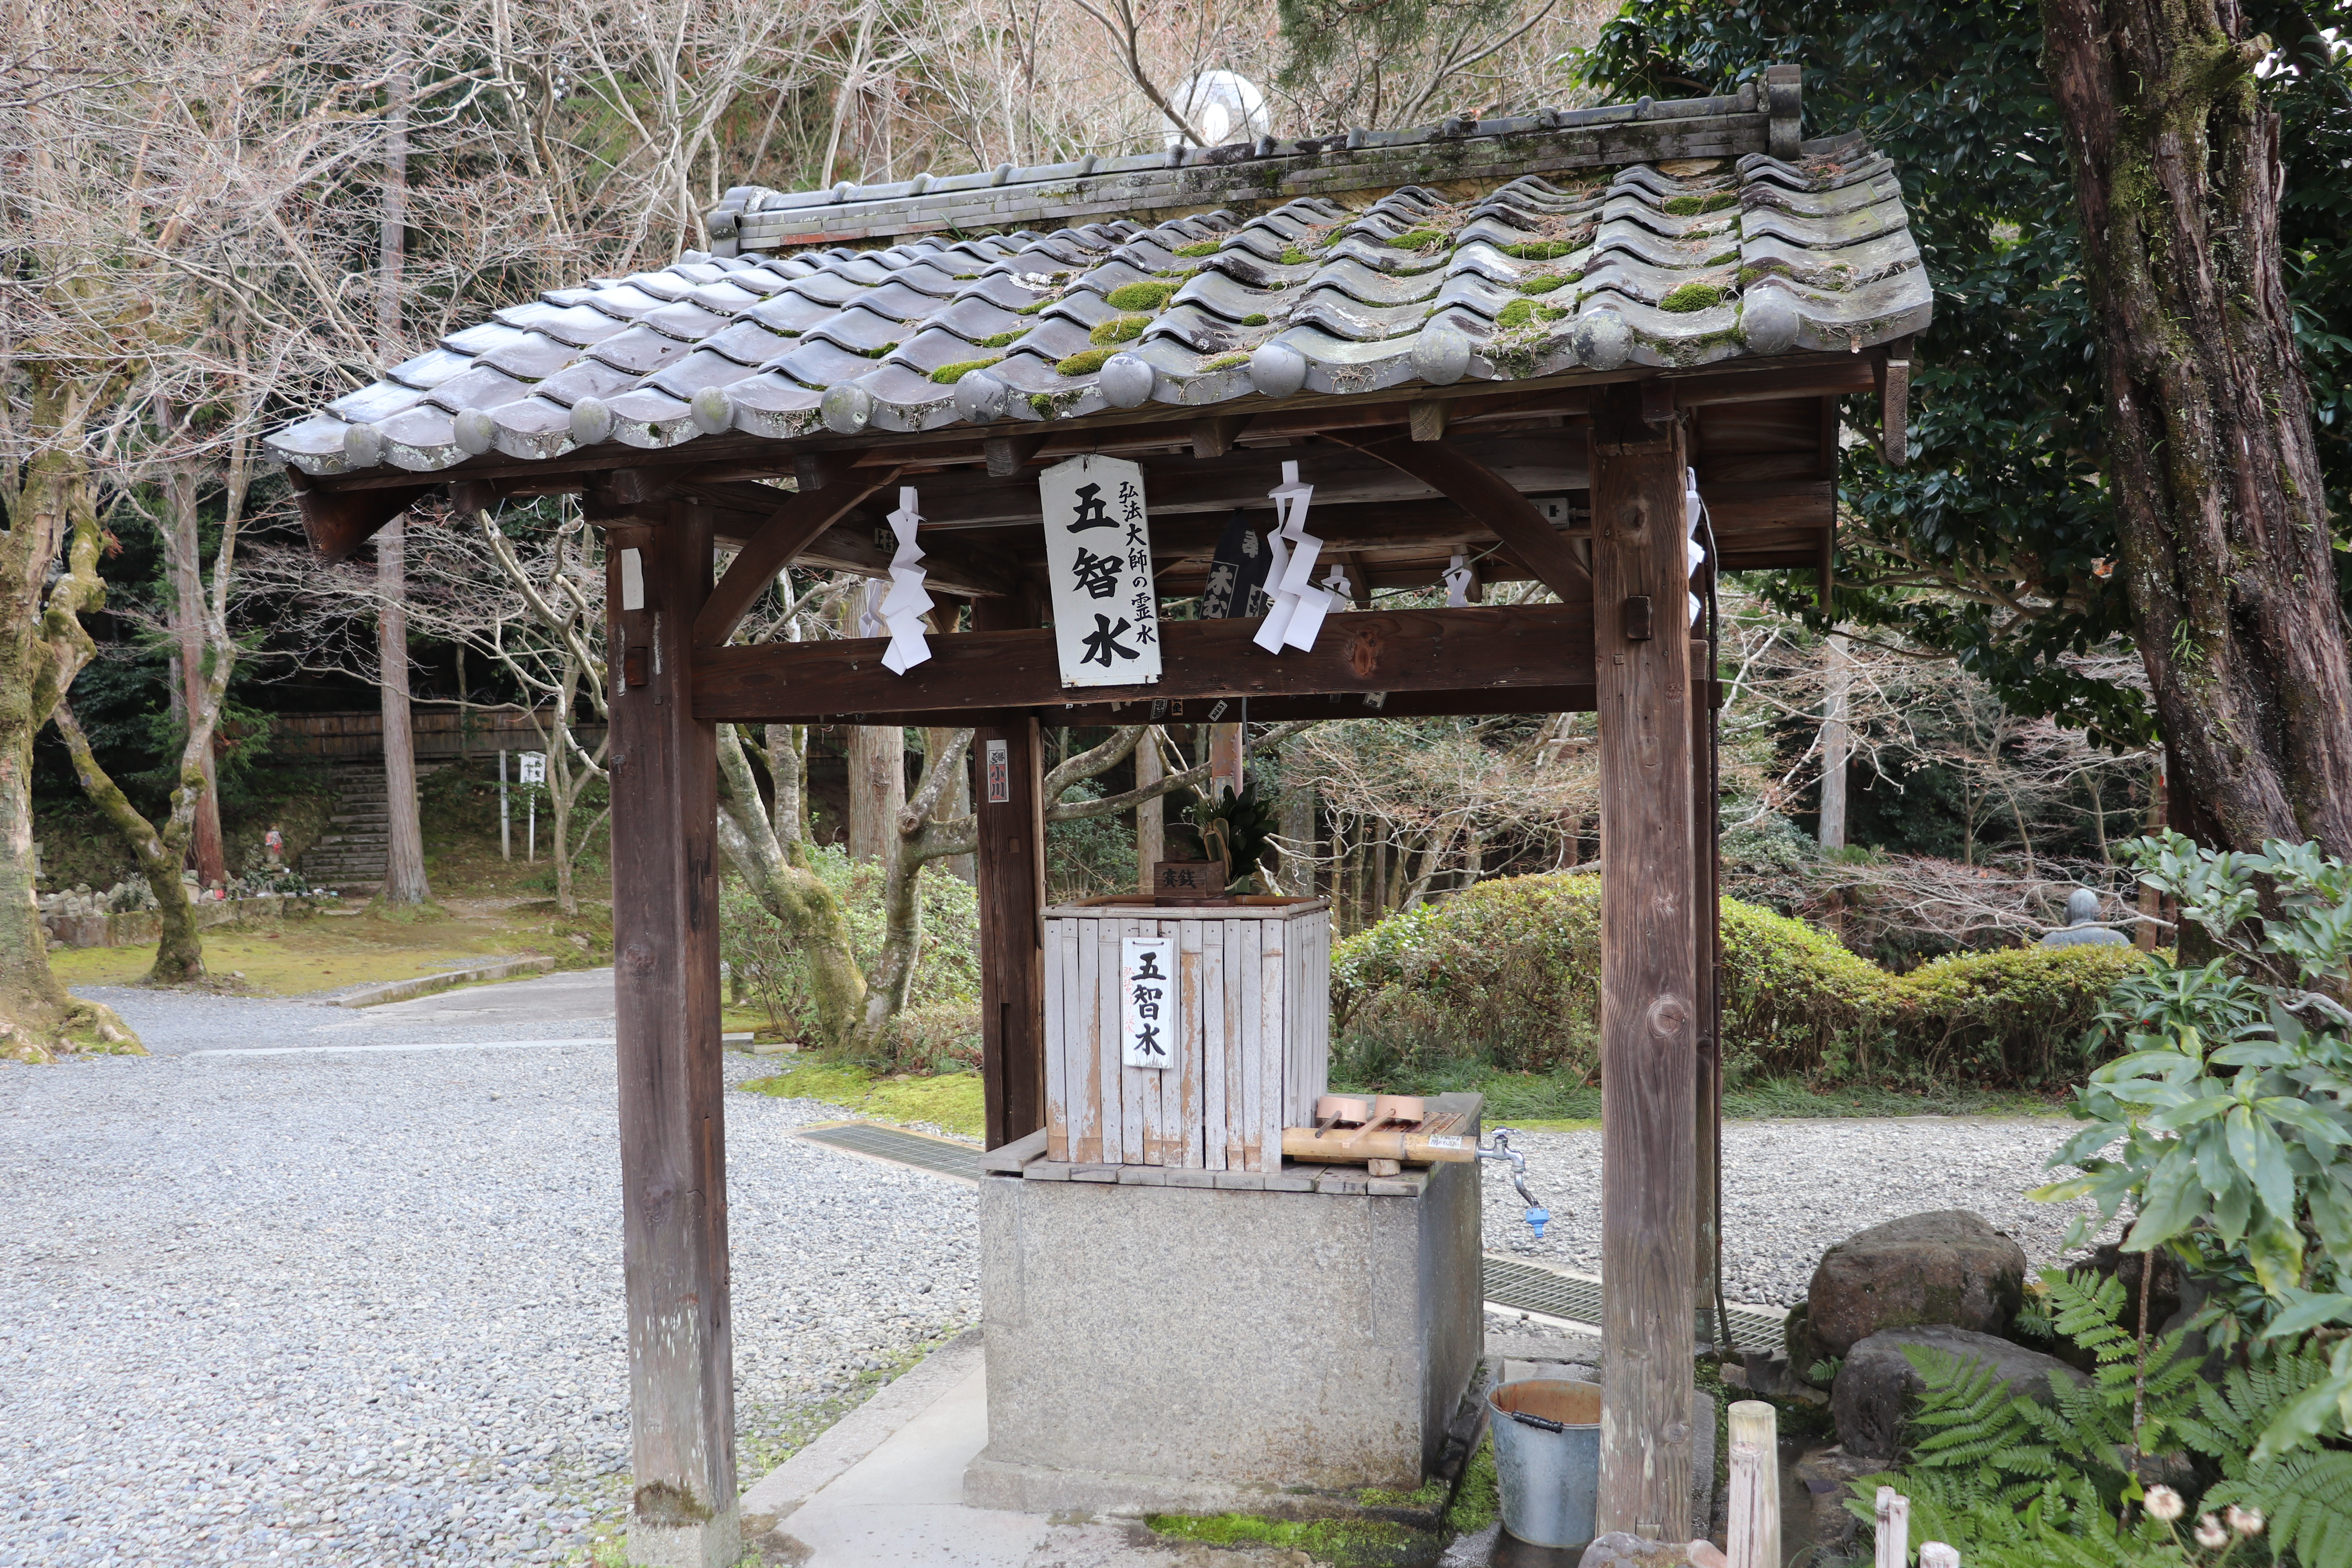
(182, 556)
(2220, 508)
(1151, 817)
(877, 788)
(1298, 814)
(1835, 742)
(180, 951)
(954, 795)
(404, 854)
(789, 890)
(37, 1018)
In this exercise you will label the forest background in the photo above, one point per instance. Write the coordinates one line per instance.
(214, 222)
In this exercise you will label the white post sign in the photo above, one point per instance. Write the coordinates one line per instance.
(1098, 558)
(534, 767)
(1147, 1029)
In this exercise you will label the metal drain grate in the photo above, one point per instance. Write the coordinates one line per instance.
(900, 1147)
(1524, 1288)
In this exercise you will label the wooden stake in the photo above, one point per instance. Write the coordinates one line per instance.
(1894, 1530)
(1754, 1535)
(1935, 1554)
(665, 776)
(1649, 981)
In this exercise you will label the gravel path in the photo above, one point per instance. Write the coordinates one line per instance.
(366, 1309)
(1794, 1189)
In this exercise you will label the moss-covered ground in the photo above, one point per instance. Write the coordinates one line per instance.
(1335, 1542)
(949, 1101)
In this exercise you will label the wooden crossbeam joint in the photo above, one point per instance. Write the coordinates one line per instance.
(799, 520)
(1486, 496)
(1005, 455)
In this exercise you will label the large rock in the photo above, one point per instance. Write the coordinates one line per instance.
(1875, 1388)
(1621, 1548)
(1948, 1267)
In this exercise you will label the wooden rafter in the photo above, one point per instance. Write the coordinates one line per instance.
(788, 530)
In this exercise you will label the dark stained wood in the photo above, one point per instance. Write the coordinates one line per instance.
(1649, 987)
(664, 767)
(1011, 868)
(337, 522)
(1456, 472)
(1003, 455)
(1708, 1091)
(801, 518)
(1387, 650)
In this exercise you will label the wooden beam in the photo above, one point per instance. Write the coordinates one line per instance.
(337, 522)
(664, 765)
(1649, 984)
(1390, 650)
(857, 543)
(1456, 473)
(1004, 456)
(1894, 402)
(790, 528)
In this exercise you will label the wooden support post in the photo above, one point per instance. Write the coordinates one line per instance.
(1893, 1549)
(1707, 889)
(1011, 804)
(1752, 1535)
(1151, 817)
(1649, 984)
(665, 993)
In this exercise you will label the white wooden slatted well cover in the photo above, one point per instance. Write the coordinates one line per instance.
(1245, 1022)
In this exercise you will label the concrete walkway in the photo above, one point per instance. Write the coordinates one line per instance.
(885, 1486)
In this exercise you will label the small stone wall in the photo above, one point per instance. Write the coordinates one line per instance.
(85, 926)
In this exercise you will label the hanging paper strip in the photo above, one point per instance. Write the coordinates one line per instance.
(1693, 550)
(1296, 616)
(869, 614)
(1458, 578)
(1099, 564)
(904, 607)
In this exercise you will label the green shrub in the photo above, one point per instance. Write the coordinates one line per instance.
(1507, 972)
(1139, 296)
(949, 375)
(1119, 328)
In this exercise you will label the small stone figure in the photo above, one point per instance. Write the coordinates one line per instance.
(2082, 927)
(273, 844)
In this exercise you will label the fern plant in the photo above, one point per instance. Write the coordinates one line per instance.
(2307, 1493)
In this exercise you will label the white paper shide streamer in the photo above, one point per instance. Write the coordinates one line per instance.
(1299, 606)
(904, 605)
(1693, 550)
(1458, 578)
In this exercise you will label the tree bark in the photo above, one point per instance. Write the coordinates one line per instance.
(180, 951)
(877, 788)
(1298, 815)
(790, 891)
(2220, 508)
(1151, 817)
(404, 855)
(183, 555)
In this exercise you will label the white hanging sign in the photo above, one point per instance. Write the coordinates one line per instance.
(1147, 1029)
(1098, 560)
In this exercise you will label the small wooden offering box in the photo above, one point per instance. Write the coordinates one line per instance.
(1230, 1002)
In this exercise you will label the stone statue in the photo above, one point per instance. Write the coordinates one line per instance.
(2082, 927)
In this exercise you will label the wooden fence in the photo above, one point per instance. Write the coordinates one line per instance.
(442, 730)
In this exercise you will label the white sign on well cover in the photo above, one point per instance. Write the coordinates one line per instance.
(1098, 557)
(1147, 1011)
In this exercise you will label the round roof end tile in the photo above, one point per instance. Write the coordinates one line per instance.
(848, 408)
(713, 409)
(1441, 355)
(1768, 320)
(1603, 340)
(591, 421)
(1277, 370)
(1126, 381)
(473, 431)
(980, 397)
(364, 446)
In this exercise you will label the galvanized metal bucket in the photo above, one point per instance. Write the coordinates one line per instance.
(1547, 1436)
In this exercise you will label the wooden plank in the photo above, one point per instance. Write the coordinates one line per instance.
(664, 769)
(1273, 710)
(1010, 863)
(1273, 1008)
(1061, 959)
(1492, 649)
(1139, 1086)
(1648, 980)
(1187, 1112)
(1115, 1133)
(1243, 1142)
(337, 522)
(1085, 1043)
(1216, 1028)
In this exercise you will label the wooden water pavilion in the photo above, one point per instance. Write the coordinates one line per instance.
(1517, 340)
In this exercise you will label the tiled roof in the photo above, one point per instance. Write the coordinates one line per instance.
(1678, 262)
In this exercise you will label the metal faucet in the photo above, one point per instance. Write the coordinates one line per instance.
(1538, 1215)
